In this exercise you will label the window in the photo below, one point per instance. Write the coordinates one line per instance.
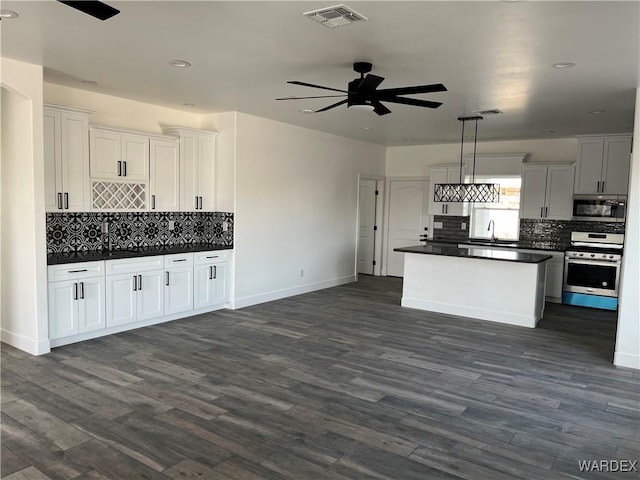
(505, 213)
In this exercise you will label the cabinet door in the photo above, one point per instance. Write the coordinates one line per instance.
(104, 153)
(437, 175)
(63, 309)
(178, 291)
(532, 191)
(75, 162)
(206, 180)
(188, 171)
(151, 294)
(164, 175)
(220, 294)
(559, 197)
(202, 286)
(121, 299)
(589, 165)
(135, 152)
(615, 169)
(91, 304)
(52, 161)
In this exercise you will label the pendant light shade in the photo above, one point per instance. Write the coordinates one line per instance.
(467, 192)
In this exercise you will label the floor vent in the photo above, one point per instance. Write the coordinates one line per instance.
(335, 16)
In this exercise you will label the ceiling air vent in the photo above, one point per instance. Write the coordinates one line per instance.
(335, 16)
(491, 111)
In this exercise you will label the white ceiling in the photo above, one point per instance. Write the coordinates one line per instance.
(488, 54)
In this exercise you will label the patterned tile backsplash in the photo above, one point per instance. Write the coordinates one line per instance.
(451, 228)
(557, 233)
(73, 232)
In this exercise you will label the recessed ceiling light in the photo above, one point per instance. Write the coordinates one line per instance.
(179, 63)
(366, 128)
(307, 111)
(89, 82)
(563, 65)
(8, 14)
(595, 112)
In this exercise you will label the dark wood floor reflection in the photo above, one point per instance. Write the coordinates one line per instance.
(336, 384)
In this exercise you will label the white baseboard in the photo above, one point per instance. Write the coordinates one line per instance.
(241, 302)
(529, 321)
(628, 360)
(26, 344)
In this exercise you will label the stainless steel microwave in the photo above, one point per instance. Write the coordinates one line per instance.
(603, 208)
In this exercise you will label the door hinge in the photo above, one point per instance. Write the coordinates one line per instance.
(375, 228)
(377, 192)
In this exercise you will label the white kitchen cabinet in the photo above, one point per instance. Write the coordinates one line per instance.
(164, 171)
(546, 192)
(602, 165)
(66, 159)
(118, 154)
(445, 174)
(76, 298)
(134, 290)
(210, 279)
(197, 168)
(179, 294)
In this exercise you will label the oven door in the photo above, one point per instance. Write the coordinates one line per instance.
(591, 277)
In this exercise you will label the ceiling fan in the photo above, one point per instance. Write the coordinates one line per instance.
(362, 93)
(94, 8)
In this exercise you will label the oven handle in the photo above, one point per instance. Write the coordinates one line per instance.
(592, 262)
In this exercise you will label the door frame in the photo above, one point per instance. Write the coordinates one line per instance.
(379, 220)
(387, 204)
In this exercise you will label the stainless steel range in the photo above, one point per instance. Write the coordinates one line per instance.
(592, 270)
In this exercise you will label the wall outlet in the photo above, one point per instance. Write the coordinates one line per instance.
(538, 229)
(301, 272)
(463, 226)
(225, 226)
(437, 225)
(172, 225)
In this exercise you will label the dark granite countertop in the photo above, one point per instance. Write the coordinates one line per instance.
(544, 246)
(475, 252)
(96, 255)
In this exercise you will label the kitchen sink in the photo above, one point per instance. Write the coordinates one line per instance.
(488, 243)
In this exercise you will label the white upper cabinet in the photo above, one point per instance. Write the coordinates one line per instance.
(445, 174)
(546, 192)
(197, 168)
(118, 155)
(66, 159)
(164, 170)
(603, 165)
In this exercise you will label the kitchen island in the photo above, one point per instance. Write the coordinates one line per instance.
(483, 283)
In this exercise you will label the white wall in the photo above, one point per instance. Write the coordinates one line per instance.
(23, 265)
(296, 208)
(415, 160)
(628, 335)
(226, 141)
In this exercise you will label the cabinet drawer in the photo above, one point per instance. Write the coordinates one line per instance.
(133, 265)
(178, 260)
(75, 271)
(214, 256)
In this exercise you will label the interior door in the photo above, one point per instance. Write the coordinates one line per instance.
(366, 236)
(408, 205)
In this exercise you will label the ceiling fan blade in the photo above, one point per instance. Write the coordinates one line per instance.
(436, 87)
(304, 84)
(304, 98)
(369, 83)
(411, 101)
(96, 9)
(379, 108)
(341, 102)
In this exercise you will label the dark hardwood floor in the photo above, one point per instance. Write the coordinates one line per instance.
(337, 384)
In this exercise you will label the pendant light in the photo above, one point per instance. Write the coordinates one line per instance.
(467, 192)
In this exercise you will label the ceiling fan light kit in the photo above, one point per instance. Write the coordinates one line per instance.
(362, 93)
(467, 192)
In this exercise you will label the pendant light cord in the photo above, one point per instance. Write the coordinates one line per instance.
(461, 150)
(475, 140)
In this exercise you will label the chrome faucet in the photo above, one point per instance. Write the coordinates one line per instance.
(492, 227)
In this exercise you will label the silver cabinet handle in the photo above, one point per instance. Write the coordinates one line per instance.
(81, 289)
(139, 282)
(602, 187)
(179, 260)
(215, 272)
(135, 283)
(77, 271)
(214, 256)
(124, 169)
(66, 200)
(153, 202)
(75, 291)
(541, 212)
(119, 168)
(196, 202)
(59, 201)
(167, 279)
(546, 211)
(210, 273)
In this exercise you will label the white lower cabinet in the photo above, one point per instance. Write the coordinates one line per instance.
(76, 299)
(178, 286)
(117, 295)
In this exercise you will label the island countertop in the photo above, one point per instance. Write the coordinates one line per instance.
(484, 253)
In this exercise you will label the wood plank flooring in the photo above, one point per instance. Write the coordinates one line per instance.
(337, 384)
